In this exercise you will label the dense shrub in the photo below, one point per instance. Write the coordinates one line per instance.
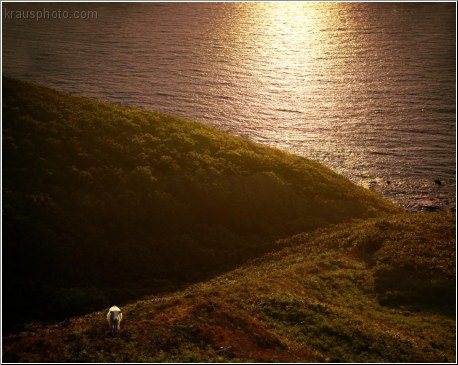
(96, 193)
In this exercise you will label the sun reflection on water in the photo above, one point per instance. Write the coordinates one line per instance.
(288, 27)
(286, 47)
(361, 87)
(285, 33)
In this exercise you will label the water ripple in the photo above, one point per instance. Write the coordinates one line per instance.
(371, 96)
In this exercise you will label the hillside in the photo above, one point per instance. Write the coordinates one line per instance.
(105, 203)
(378, 290)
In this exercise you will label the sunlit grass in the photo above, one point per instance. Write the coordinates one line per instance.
(95, 193)
(315, 299)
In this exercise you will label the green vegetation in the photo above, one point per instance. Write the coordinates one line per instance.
(355, 292)
(105, 203)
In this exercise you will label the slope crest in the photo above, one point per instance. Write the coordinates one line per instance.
(96, 194)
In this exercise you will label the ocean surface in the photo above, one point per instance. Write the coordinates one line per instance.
(368, 89)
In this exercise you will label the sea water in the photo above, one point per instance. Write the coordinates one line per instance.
(365, 88)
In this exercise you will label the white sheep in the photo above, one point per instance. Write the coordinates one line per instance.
(114, 317)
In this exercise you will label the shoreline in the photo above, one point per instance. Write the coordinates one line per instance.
(394, 190)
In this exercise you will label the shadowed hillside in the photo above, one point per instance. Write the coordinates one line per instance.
(106, 203)
(379, 290)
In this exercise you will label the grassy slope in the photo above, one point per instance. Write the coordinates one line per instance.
(379, 290)
(96, 194)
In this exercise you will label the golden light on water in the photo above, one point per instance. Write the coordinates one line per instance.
(291, 41)
(288, 28)
(343, 83)
(288, 36)
(289, 23)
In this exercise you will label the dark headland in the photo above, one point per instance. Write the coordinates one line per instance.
(107, 204)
